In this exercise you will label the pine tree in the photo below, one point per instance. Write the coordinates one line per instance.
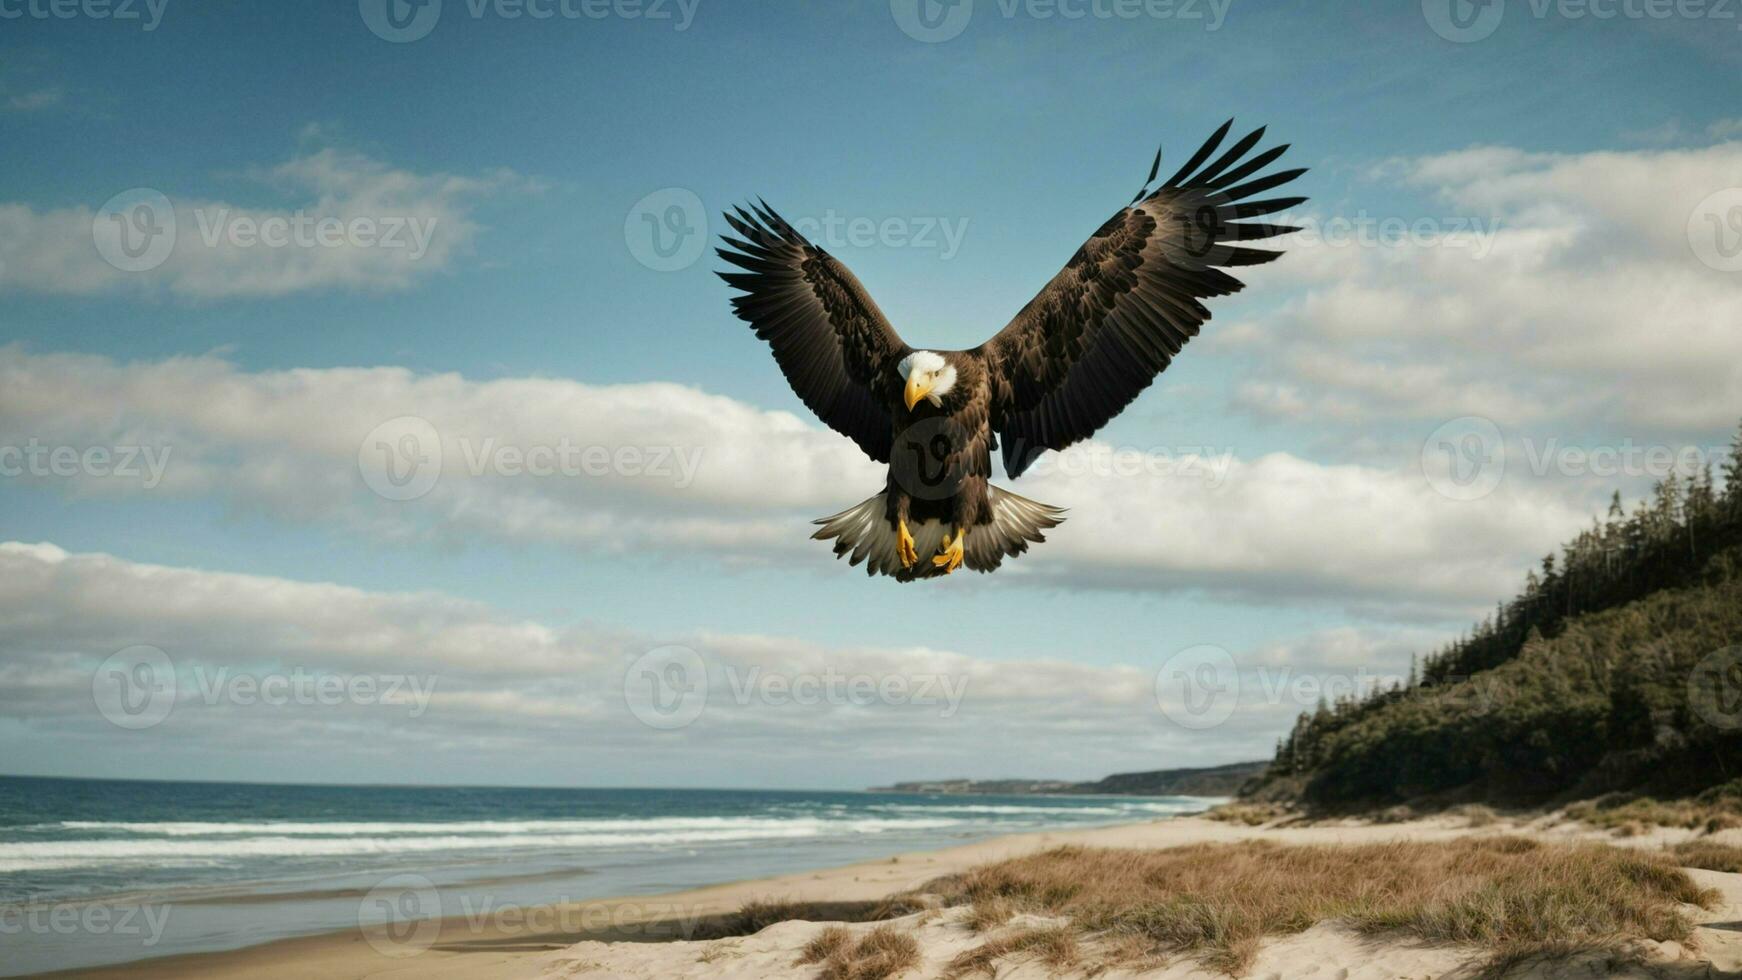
(1733, 473)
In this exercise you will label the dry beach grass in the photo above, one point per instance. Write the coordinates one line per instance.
(1514, 896)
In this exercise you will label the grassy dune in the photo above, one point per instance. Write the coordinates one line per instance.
(1513, 896)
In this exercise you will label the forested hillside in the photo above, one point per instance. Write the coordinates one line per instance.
(1618, 667)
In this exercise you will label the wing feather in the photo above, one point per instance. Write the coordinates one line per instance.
(1130, 299)
(832, 343)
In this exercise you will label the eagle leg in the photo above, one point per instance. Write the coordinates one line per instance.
(904, 545)
(949, 558)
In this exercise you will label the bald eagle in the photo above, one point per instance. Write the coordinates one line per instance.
(1070, 360)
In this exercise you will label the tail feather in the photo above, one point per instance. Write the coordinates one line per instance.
(863, 535)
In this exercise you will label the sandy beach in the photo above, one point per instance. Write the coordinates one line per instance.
(644, 936)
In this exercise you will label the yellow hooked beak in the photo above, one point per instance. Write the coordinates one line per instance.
(916, 389)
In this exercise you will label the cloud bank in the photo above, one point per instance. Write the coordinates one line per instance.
(263, 672)
(661, 467)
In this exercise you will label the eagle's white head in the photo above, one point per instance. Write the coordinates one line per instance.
(928, 376)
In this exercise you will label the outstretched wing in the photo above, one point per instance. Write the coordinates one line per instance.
(1116, 315)
(831, 341)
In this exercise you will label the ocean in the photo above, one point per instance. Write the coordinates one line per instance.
(107, 871)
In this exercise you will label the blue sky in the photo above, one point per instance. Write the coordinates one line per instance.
(532, 140)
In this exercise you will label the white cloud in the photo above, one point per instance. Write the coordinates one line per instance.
(688, 472)
(529, 700)
(1590, 311)
(357, 223)
(1283, 527)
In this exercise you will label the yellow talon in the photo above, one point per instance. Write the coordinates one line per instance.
(904, 545)
(950, 558)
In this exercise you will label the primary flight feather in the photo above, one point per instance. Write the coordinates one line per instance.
(1074, 357)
